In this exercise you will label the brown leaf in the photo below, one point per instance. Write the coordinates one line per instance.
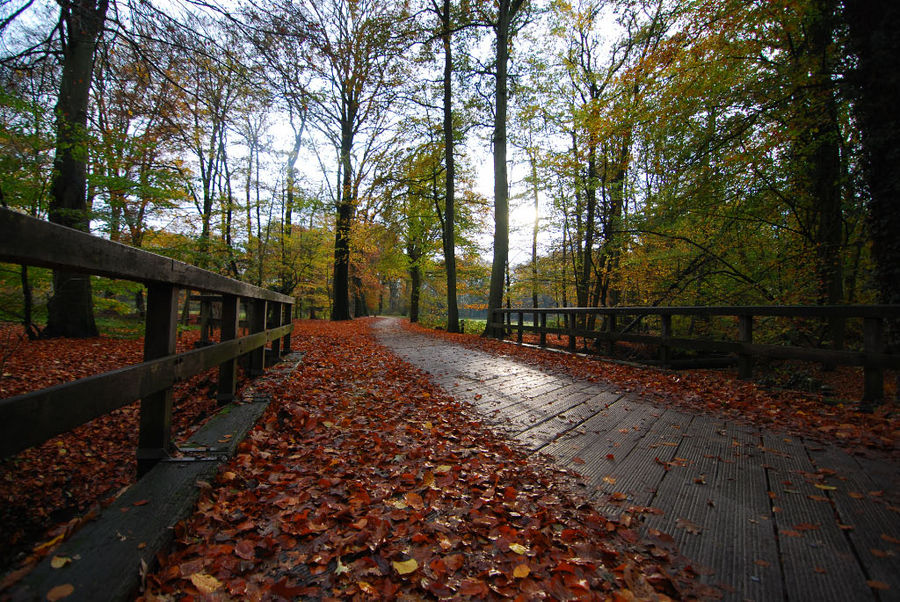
(690, 527)
(60, 591)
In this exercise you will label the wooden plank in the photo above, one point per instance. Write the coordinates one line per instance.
(818, 561)
(32, 418)
(705, 509)
(865, 501)
(29, 241)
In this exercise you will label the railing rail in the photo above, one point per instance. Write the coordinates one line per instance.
(577, 319)
(32, 418)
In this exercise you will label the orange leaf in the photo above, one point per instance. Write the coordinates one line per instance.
(60, 591)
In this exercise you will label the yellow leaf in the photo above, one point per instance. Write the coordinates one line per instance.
(825, 487)
(517, 548)
(367, 588)
(398, 504)
(60, 591)
(206, 584)
(428, 479)
(406, 567)
(610, 480)
(428, 426)
(521, 571)
(443, 468)
(59, 562)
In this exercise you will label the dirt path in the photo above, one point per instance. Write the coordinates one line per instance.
(768, 516)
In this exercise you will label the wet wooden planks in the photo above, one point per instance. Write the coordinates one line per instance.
(764, 516)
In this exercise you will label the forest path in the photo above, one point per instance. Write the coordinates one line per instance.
(763, 515)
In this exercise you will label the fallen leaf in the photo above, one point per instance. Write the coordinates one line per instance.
(205, 584)
(610, 457)
(825, 487)
(517, 548)
(690, 527)
(889, 538)
(415, 500)
(791, 533)
(60, 591)
(443, 468)
(141, 503)
(521, 571)
(881, 585)
(406, 567)
(609, 480)
(577, 460)
(58, 562)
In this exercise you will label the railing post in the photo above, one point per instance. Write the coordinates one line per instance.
(665, 349)
(745, 334)
(160, 335)
(521, 327)
(228, 368)
(572, 345)
(277, 313)
(508, 320)
(257, 324)
(873, 343)
(287, 319)
(543, 322)
(611, 329)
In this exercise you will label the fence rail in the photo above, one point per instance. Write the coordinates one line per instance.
(32, 418)
(583, 322)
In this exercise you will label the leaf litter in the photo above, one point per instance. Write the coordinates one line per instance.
(376, 505)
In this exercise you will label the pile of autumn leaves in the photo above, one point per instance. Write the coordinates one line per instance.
(363, 480)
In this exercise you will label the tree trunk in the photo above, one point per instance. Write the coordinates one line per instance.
(341, 304)
(415, 286)
(449, 233)
(505, 14)
(534, 235)
(875, 81)
(71, 310)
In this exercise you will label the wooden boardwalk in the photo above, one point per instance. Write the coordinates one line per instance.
(762, 515)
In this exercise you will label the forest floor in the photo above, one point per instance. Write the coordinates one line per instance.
(359, 452)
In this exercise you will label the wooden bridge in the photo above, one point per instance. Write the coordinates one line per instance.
(764, 515)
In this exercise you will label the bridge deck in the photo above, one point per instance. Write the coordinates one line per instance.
(763, 515)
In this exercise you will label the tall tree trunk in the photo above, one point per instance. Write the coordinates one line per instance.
(71, 310)
(534, 234)
(449, 233)
(506, 12)
(341, 304)
(415, 287)
(875, 81)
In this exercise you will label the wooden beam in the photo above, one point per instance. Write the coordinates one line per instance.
(32, 418)
(228, 369)
(29, 241)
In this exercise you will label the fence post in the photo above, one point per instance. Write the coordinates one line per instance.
(258, 324)
(745, 334)
(611, 329)
(160, 335)
(228, 368)
(521, 326)
(873, 343)
(572, 345)
(665, 349)
(543, 322)
(277, 314)
(287, 319)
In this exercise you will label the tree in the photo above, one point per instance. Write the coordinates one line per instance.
(503, 24)
(70, 312)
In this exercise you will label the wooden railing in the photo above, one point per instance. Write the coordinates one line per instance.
(606, 324)
(32, 418)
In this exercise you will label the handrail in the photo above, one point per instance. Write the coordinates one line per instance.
(34, 417)
(30, 241)
(873, 357)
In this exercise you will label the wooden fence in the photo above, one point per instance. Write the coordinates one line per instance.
(606, 324)
(32, 418)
